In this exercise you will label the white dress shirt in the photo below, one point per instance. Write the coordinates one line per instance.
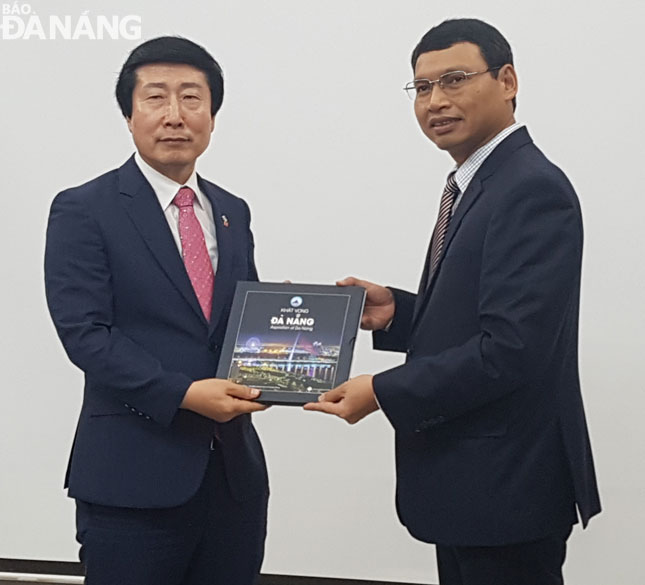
(165, 189)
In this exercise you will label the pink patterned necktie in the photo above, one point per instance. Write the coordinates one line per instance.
(193, 248)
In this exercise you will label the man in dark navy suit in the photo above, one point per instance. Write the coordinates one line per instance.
(140, 268)
(493, 456)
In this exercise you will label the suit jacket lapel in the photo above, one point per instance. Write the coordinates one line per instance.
(425, 289)
(517, 139)
(142, 205)
(423, 285)
(225, 250)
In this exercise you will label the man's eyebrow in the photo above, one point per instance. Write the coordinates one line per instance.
(446, 70)
(191, 84)
(162, 85)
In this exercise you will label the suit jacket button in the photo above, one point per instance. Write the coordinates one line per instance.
(213, 346)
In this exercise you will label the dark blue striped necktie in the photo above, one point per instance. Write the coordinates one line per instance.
(448, 197)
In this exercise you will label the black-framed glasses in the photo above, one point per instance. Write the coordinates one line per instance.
(451, 81)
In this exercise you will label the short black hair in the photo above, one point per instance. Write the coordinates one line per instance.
(493, 46)
(169, 50)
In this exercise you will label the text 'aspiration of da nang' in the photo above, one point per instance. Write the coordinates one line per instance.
(293, 320)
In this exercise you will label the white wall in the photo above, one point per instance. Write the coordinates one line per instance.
(318, 136)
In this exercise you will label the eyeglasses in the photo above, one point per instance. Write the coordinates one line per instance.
(453, 80)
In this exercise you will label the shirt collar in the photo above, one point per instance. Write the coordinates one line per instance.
(165, 188)
(466, 171)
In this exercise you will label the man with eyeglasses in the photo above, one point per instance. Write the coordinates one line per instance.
(492, 450)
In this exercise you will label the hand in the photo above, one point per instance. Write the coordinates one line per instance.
(220, 400)
(351, 401)
(379, 303)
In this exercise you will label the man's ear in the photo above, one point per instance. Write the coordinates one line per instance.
(508, 77)
(129, 122)
(212, 123)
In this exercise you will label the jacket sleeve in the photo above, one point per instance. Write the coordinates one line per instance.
(528, 289)
(78, 286)
(397, 335)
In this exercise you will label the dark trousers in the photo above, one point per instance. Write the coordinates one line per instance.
(210, 540)
(527, 563)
